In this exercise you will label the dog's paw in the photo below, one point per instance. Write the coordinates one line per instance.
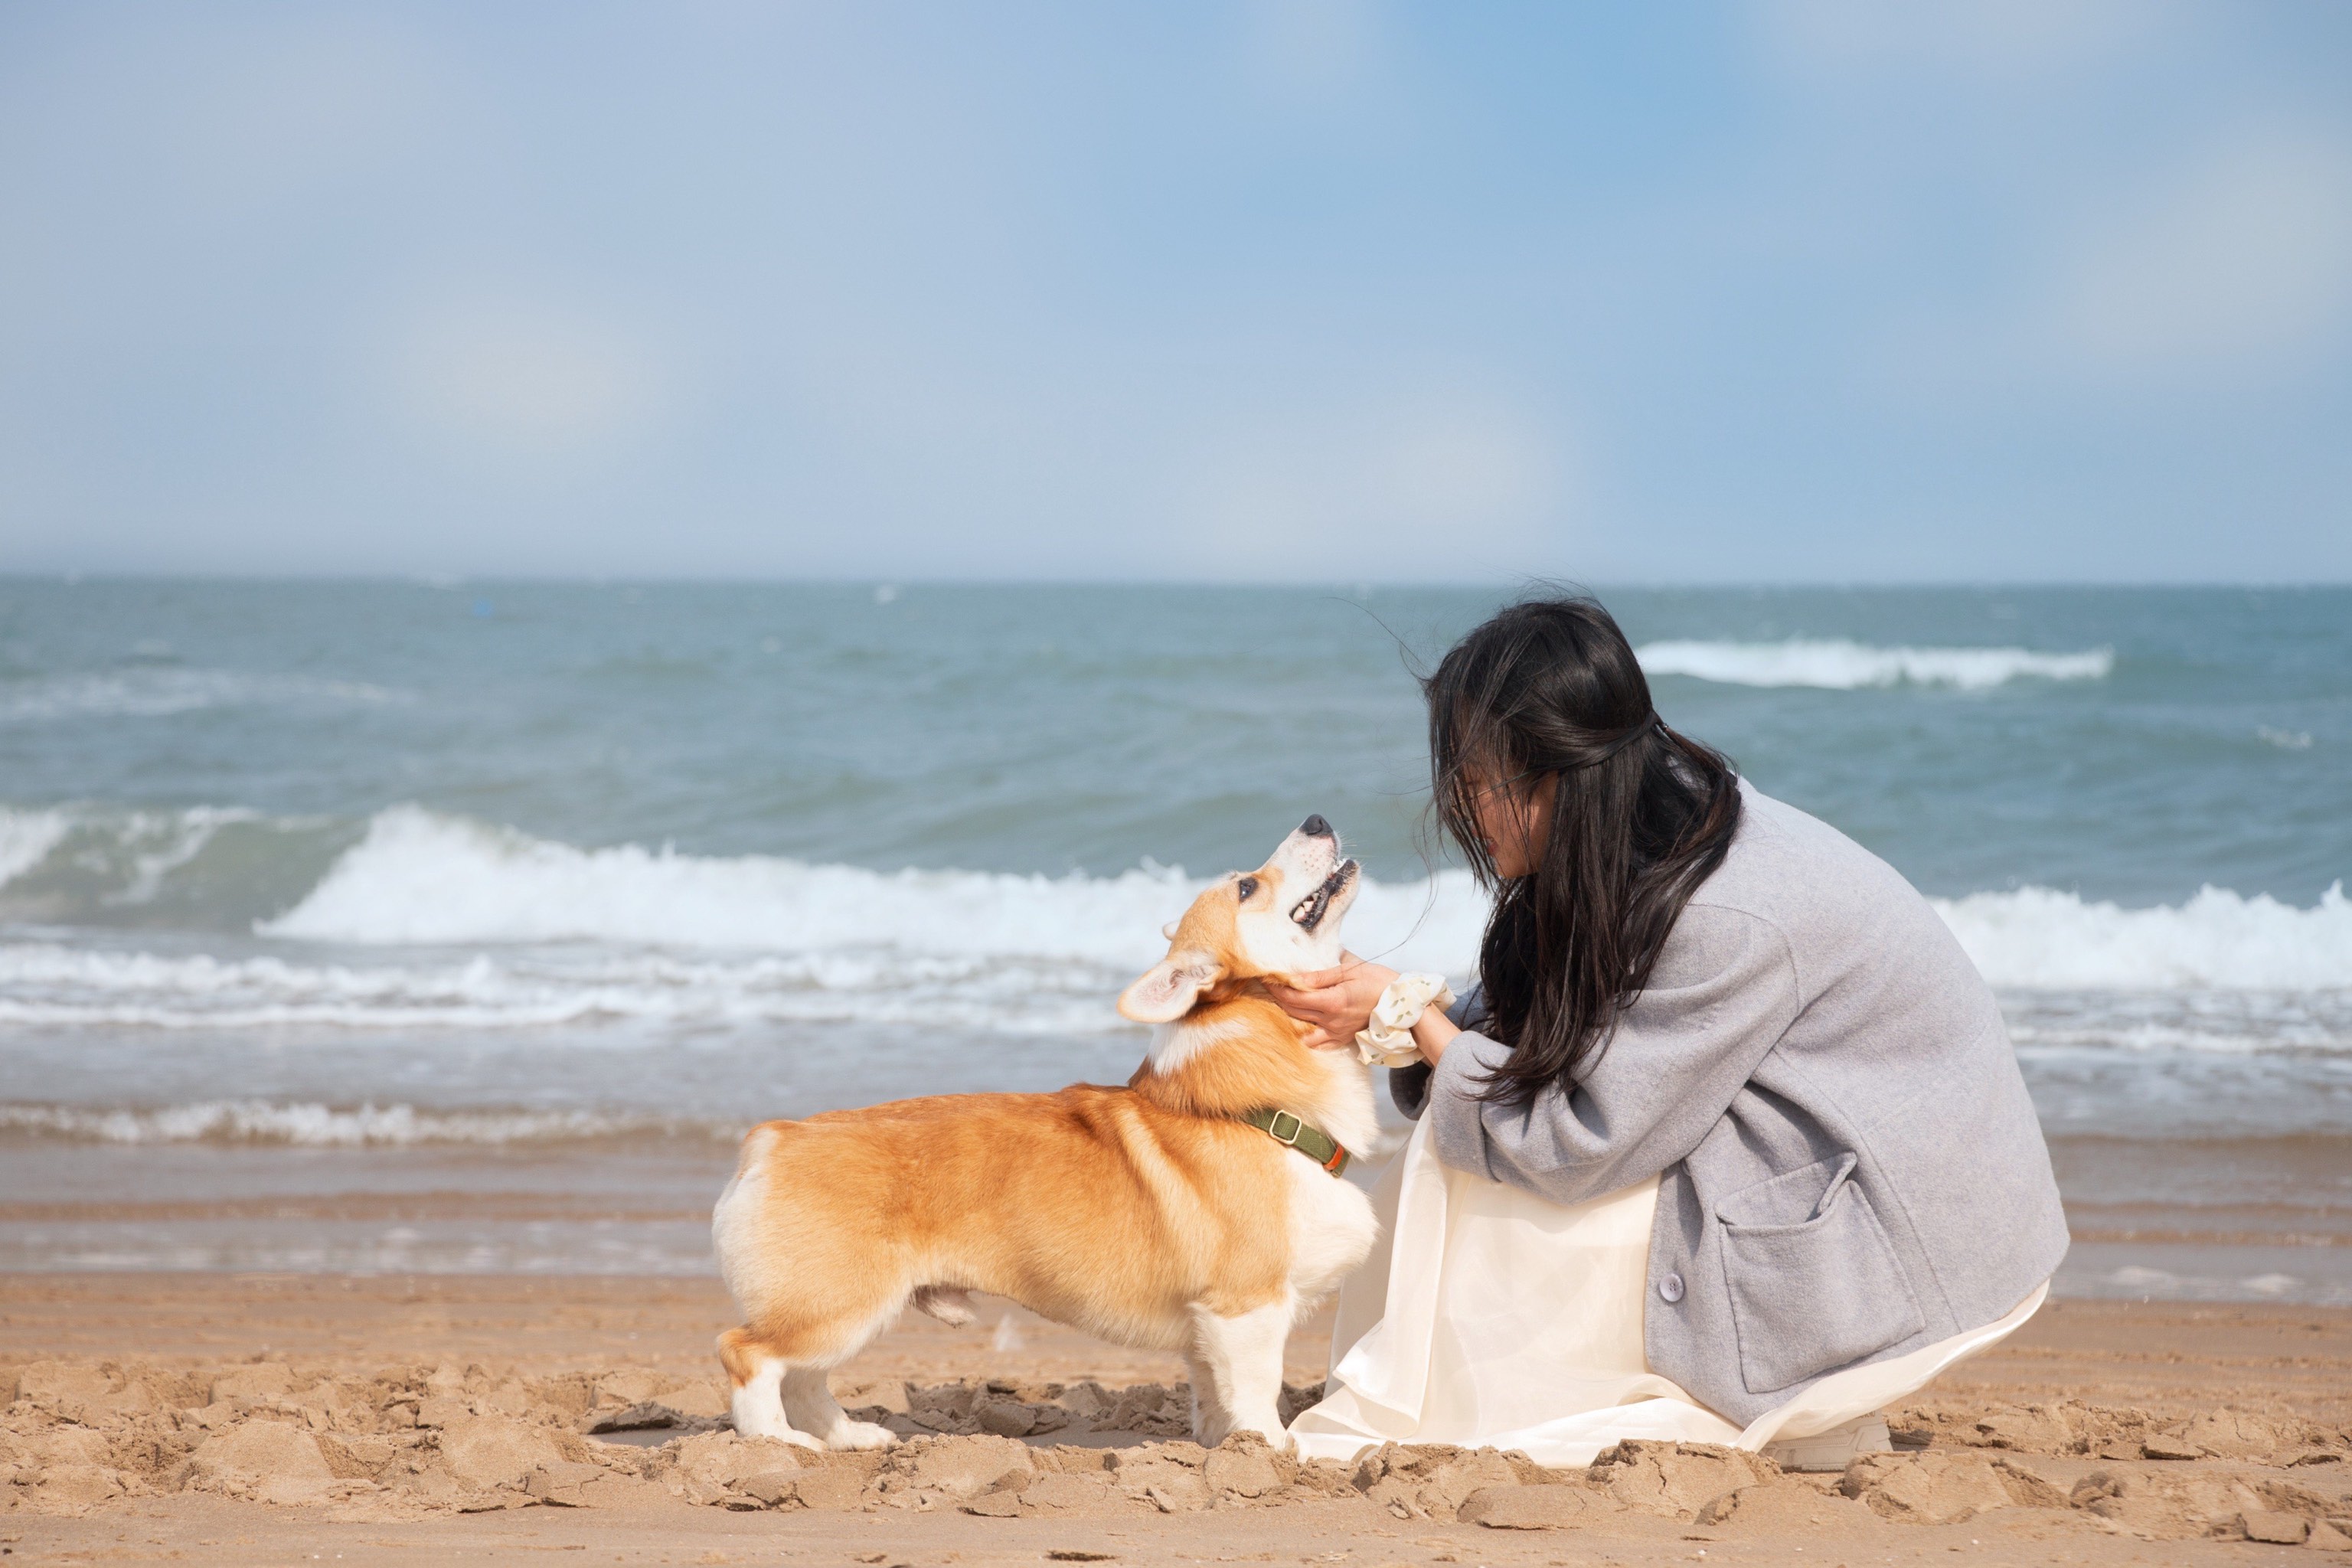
(860, 1435)
(1273, 1436)
(778, 1429)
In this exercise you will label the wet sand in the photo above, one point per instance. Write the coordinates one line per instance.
(217, 1418)
(2246, 1219)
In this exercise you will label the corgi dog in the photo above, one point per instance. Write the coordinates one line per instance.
(1154, 1215)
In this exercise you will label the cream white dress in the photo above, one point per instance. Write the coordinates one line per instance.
(1487, 1316)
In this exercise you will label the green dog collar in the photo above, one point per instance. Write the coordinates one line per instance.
(1292, 1130)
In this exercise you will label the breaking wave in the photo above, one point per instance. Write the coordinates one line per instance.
(52, 986)
(431, 921)
(421, 877)
(25, 839)
(2035, 939)
(1843, 666)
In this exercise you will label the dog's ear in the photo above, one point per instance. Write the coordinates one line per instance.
(1168, 990)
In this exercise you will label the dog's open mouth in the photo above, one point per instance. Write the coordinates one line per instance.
(1309, 912)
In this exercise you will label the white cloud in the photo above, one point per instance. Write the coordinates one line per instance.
(1466, 466)
(1451, 488)
(2231, 265)
(2245, 255)
(527, 378)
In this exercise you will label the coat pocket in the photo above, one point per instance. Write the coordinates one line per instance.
(1814, 1282)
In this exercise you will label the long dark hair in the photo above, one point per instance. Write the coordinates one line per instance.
(1641, 816)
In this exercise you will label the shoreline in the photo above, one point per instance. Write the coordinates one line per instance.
(2255, 1220)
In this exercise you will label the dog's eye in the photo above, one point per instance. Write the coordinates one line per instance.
(1246, 887)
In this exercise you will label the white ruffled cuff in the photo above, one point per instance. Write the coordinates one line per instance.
(1387, 1040)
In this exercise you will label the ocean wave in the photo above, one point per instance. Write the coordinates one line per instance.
(2036, 939)
(422, 877)
(66, 864)
(27, 838)
(1841, 666)
(431, 921)
(162, 693)
(312, 1125)
(44, 984)
(2049, 1026)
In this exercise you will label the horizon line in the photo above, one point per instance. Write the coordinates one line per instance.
(452, 582)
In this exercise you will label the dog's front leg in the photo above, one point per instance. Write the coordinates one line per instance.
(1209, 1414)
(1239, 1358)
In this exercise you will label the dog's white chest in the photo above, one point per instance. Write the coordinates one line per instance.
(1331, 1227)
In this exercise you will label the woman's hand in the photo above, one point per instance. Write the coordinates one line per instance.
(1337, 1003)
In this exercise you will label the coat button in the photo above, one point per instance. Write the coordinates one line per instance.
(1671, 1287)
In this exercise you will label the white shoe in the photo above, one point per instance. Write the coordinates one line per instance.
(1834, 1449)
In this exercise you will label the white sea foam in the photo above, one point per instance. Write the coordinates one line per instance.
(137, 851)
(546, 934)
(161, 692)
(2234, 1023)
(50, 986)
(25, 839)
(422, 877)
(313, 1125)
(1843, 666)
(2218, 941)
(159, 843)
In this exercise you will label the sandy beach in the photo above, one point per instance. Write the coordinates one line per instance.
(579, 582)
(213, 1418)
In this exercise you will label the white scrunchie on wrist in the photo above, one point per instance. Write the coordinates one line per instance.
(1387, 1041)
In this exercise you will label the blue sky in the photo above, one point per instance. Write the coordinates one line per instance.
(1300, 290)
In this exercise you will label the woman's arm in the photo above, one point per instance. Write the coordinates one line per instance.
(1432, 1033)
(1409, 1085)
(1337, 1004)
(1723, 995)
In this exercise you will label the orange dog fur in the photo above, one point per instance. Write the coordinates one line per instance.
(1147, 1215)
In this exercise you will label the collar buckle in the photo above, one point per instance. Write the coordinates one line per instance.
(1300, 1134)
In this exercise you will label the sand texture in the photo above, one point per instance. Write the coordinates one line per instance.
(214, 1418)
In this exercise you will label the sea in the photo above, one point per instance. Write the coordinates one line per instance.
(390, 927)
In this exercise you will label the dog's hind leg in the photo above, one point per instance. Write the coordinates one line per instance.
(810, 1405)
(757, 1374)
(1241, 1355)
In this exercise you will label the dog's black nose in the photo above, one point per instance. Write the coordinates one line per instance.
(1316, 828)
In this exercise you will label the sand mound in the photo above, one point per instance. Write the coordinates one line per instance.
(2072, 1427)
(407, 1440)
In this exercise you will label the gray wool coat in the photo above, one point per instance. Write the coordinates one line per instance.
(1850, 1167)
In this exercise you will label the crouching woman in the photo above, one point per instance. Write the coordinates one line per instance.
(1730, 1144)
